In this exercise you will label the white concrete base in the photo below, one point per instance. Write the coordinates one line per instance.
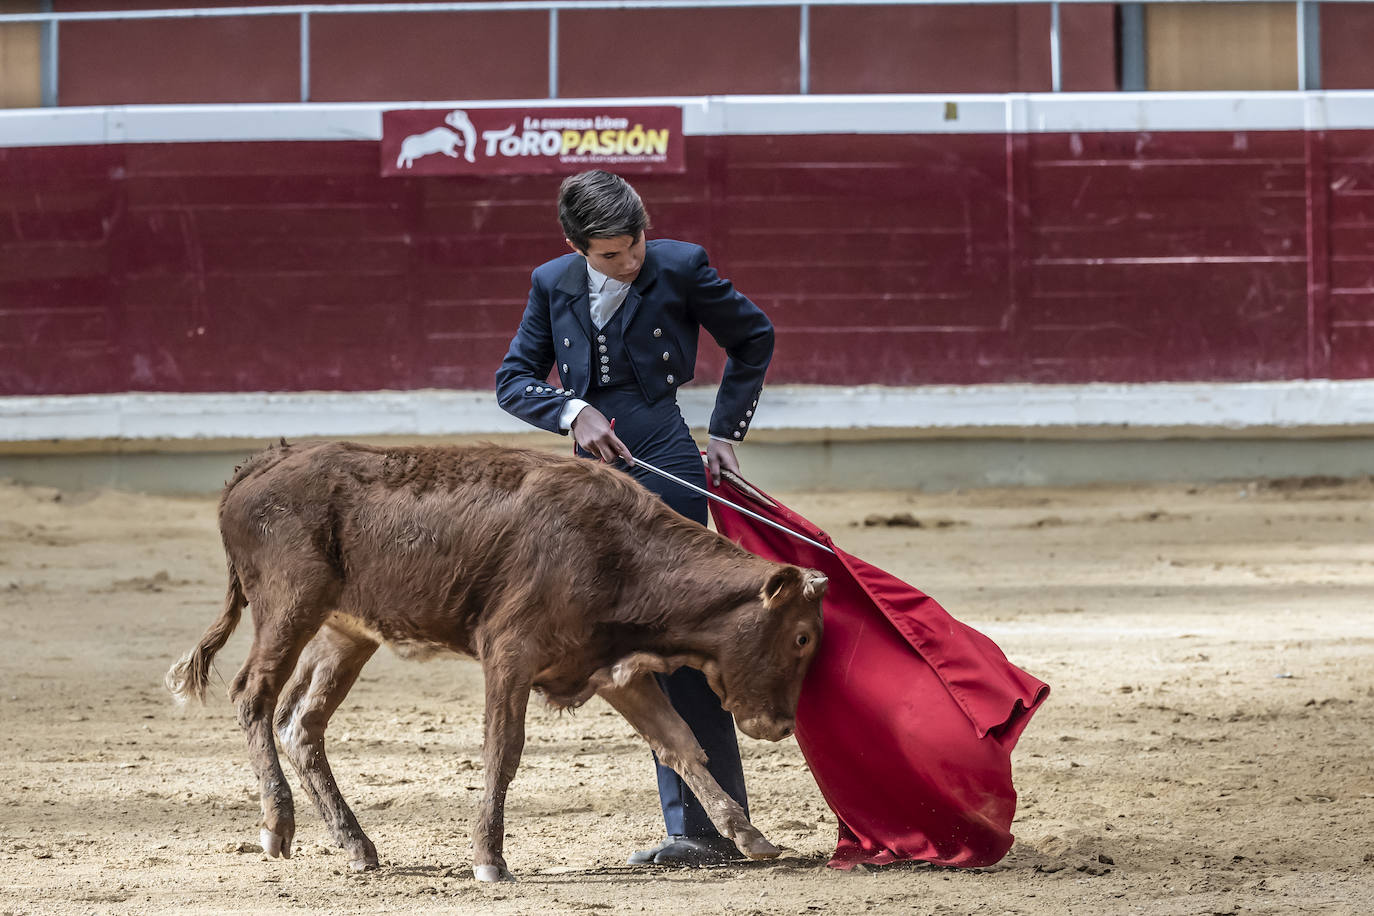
(909, 464)
(1317, 407)
(804, 436)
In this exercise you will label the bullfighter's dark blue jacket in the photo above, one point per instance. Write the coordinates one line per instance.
(676, 293)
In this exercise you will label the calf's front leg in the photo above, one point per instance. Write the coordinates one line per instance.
(644, 706)
(507, 695)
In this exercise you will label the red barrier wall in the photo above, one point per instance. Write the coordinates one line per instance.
(960, 49)
(1346, 274)
(883, 258)
(602, 53)
(605, 53)
(1347, 33)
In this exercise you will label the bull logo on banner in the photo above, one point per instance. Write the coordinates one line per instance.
(531, 141)
(440, 140)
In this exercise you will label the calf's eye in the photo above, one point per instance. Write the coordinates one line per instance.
(802, 640)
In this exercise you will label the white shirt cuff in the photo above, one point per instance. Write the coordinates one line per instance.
(570, 412)
(725, 440)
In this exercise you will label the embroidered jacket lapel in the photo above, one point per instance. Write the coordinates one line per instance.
(647, 274)
(574, 285)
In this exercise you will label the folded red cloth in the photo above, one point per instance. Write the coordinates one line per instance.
(907, 717)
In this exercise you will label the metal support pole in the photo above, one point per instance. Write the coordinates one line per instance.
(305, 57)
(1309, 45)
(1133, 48)
(47, 37)
(553, 53)
(1056, 77)
(1301, 9)
(804, 51)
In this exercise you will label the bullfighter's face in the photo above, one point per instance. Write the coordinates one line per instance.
(619, 258)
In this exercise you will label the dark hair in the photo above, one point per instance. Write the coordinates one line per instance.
(599, 205)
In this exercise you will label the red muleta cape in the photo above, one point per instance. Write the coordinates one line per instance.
(907, 717)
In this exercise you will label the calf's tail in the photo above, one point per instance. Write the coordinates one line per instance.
(189, 676)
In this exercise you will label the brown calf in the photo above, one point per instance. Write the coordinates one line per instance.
(557, 574)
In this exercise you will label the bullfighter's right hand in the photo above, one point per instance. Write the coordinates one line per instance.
(594, 433)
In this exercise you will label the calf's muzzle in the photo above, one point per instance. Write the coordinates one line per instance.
(767, 728)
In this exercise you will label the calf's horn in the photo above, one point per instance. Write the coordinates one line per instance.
(815, 585)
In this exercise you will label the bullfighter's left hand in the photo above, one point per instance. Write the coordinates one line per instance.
(720, 456)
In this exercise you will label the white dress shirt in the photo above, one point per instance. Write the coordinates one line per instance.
(607, 296)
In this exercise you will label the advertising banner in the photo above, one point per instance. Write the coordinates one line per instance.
(532, 141)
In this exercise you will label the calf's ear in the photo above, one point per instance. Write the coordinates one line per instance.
(781, 586)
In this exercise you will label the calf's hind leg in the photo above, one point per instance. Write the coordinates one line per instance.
(327, 670)
(285, 615)
(644, 706)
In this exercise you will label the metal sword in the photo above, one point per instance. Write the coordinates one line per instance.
(738, 508)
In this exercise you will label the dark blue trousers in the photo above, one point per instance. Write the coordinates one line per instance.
(658, 434)
(698, 705)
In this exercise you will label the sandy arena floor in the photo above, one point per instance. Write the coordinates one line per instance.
(1206, 749)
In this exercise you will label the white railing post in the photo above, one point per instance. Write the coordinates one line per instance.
(553, 53)
(1056, 74)
(1134, 77)
(305, 57)
(1309, 45)
(804, 51)
(47, 39)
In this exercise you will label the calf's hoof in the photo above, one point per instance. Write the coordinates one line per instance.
(757, 847)
(362, 855)
(274, 844)
(492, 873)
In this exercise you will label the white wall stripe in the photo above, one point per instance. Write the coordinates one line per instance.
(1295, 408)
(727, 115)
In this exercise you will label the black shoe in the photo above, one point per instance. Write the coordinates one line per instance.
(688, 852)
(646, 856)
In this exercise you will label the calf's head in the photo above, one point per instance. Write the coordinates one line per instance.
(762, 660)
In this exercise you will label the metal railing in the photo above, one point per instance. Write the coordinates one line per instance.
(1308, 37)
